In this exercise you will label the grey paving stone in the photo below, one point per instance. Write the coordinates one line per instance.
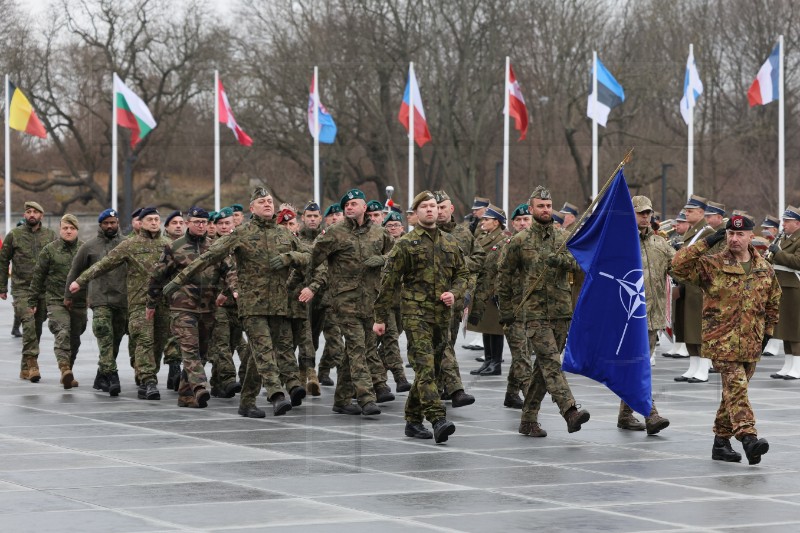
(93, 477)
(86, 521)
(34, 501)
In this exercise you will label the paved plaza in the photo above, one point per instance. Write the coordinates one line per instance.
(81, 461)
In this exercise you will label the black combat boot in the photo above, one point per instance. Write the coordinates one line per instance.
(101, 382)
(151, 391)
(460, 398)
(297, 394)
(174, 376)
(370, 409)
(754, 448)
(280, 405)
(383, 394)
(251, 411)
(722, 451)
(114, 387)
(513, 401)
(442, 429)
(416, 430)
(402, 384)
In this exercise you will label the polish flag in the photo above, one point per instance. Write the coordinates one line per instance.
(765, 89)
(226, 117)
(421, 133)
(516, 104)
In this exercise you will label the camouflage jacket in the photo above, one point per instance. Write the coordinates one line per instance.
(296, 282)
(262, 291)
(50, 274)
(485, 288)
(738, 308)
(140, 254)
(344, 247)
(315, 280)
(109, 289)
(656, 260)
(473, 254)
(524, 261)
(427, 263)
(198, 293)
(21, 248)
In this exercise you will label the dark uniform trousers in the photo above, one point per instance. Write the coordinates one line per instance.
(109, 325)
(547, 338)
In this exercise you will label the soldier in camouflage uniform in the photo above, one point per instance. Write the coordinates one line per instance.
(741, 297)
(311, 227)
(263, 252)
(333, 351)
(449, 379)
(192, 306)
(429, 266)
(107, 298)
(174, 229)
(354, 252)
(20, 250)
(139, 253)
(533, 257)
(66, 319)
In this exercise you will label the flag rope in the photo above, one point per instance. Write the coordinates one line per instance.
(578, 224)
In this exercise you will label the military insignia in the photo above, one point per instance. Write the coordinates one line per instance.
(414, 242)
(112, 213)
(494, 248)
(738, 223)
(350, 195)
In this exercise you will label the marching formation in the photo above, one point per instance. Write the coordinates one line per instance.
(203, 286)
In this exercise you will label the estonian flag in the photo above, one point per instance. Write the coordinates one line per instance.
(609, 95)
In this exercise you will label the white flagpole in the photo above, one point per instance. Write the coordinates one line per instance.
(410, 137)
(114, 141)
(216, 142)
(506, 126)
(315, 111)
(594, 127)
(781, 140)
(8, 158)
(690, 137)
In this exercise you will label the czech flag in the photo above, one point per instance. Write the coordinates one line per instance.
(765, 89)
(421, 133)
(21, 115)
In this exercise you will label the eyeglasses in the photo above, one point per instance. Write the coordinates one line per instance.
(198, 222)
(394, 225)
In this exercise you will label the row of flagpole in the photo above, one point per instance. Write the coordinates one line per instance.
(606, 93)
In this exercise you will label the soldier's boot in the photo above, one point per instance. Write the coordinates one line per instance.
(402, 384)
(754, 448)
(513, 401)
(476, 372)
(251, 411)
(230, 390)
(370, 409)
(626, 420)
(66, 376)
(297, 394)
(101, 382)
(349, 409)
(33, 374)
(15, 332)
(313, 382)
(722, 451)
(460, 398)
(325, 377)
(383, 394)
(174, 376)
(531, 429)
(442, 429)
(201, 396)
(575, 418)
(416, 430)
(151, 391)
(187, 401)
(114, 387)
(655, 422)
(280, 405)
(495, 368)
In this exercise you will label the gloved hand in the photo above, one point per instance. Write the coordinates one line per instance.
(278, 262)
(474, 319)
(764, 342)
(774, 248)
(467, 300)
(170, 288)
(374, 261)
(507, 320)
(715, 238)
(556, 261)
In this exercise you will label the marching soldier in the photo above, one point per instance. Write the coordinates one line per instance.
(785, 257)
(174, 225)
(174, 229)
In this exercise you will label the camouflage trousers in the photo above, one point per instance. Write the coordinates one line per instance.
(271, 361)
(150, 337)
(334, 345)
(427, 344)
(519, 375)
(226, 338)
(448, 375)
(67, 327)
(547, 339)
(377, 370)
(31, 327)
(193, 333)
(353, 372)
(301, 339)
(172, 348)
(735, 417)
(389, 346)
(109, 325)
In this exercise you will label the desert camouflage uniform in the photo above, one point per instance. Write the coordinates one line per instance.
(739, 308)
(426, 263)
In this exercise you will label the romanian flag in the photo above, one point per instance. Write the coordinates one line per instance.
(21, 115)
(132, 112)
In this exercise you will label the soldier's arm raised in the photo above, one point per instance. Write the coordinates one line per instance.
(688, 265)
(163, 271)
(115, 258)
(221, 249)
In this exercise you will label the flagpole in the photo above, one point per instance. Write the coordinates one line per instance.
(315, 112)
(410, 137)
(781, 131)
(8, 158)
(506, 135)
(216, 143)
(114, 141)
(690, 138)
(594, 127)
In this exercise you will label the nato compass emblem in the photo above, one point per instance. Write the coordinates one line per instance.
(631, 296)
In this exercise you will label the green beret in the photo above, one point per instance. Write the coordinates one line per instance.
(352, 194)
(225, 212)
(237, 208)
(392, 216)
(521, 210)
(373, 206)
(212, 216)
(333, 208)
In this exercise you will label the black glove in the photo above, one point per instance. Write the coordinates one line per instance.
(473, 319)
(555, 261)
(764, 342)
(507, 320)
(278, 262)
(774, 248)
(714, 239)
(170, 289)
(467, 300)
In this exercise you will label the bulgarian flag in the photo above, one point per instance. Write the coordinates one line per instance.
(132, 112)
(21, 115)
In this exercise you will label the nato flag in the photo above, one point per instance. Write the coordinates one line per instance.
(607, 340)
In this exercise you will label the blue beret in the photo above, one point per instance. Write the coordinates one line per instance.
(149, 210)
(172, 215)
(107, 213)
(136, 213)
(197, 212)
(311, 206)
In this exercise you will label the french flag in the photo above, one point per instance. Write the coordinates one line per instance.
(421, 133)
(765, 89)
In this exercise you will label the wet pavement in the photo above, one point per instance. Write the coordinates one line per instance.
(81, 461)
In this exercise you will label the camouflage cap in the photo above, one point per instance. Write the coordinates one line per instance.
(541, 193)
(393, 216)
(374, 206)
(422, 197)
(225, 212)
(70, 219)
(440, 196)
(641, 203)
(30, 204)
(258, 192)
